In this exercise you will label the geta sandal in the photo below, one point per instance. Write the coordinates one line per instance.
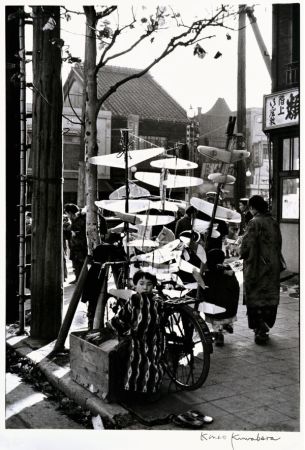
(198, 415)
(186, 421)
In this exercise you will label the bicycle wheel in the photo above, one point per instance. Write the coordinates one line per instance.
(188, 345)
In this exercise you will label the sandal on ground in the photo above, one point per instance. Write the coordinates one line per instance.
(187, 421)
(198, 415)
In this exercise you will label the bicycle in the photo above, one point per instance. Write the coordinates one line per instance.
(188, 344)
(188, 341)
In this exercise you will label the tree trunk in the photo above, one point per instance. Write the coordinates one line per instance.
(47, 248)
(81, 186)
(90, 129)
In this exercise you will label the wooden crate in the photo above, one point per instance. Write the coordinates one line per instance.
(94, 366)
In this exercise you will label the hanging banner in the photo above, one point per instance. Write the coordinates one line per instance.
(281, 109)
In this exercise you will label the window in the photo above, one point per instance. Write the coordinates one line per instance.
(291, 158)
(152, 141)
(290, 182)
(265, 151)
(290, 198)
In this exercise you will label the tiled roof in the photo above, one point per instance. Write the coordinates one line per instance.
(142, 96)
(219, 109)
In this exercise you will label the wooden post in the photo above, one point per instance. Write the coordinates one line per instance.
(240, 167)
(47, 244)
(99, 312)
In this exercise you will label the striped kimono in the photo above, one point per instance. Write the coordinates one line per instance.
(139, 321)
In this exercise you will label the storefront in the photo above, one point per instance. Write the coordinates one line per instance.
(281, 125)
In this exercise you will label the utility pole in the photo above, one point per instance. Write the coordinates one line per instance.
(47, 247)
(192, 139)
(240, 167)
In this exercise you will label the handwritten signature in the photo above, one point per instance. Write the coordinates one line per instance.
(259, 437)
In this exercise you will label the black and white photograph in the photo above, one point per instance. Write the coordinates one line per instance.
(151, 230)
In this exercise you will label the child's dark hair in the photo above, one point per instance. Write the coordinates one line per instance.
(147, 275)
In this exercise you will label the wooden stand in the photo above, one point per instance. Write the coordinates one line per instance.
(94, 367)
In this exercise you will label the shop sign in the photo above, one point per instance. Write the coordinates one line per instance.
(281, 109)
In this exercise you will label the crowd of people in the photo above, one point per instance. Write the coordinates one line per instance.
(256, 241)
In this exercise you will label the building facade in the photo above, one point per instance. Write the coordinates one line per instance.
(282, 126)
(141, 105)
(212, 131)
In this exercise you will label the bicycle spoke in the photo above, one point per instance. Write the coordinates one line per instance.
(188, 354)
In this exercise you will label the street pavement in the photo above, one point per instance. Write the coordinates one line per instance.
(249, 387)
(28, 408)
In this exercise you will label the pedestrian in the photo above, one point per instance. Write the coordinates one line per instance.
(231, 242)
(77, 237)
(222, 290)
(245, 213)
(138, 323)
(222, 226)
(112, 251)
(66, 227)
(261, 254)
(185, 223)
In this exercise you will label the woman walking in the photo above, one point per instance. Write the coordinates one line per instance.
(261, 252)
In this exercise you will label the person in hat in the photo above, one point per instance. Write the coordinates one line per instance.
(246, 215)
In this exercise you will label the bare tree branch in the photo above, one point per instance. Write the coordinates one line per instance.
(177, 41)
(106, 12)
(117, 32)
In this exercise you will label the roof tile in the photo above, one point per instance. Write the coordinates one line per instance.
(142, 96)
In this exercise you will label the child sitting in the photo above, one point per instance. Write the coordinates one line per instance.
(138, 323)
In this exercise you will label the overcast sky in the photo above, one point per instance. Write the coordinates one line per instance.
(189, 79)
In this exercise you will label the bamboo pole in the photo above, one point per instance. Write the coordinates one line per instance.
(125, 134)
(65, 327)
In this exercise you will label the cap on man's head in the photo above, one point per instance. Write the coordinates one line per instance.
(212, 194)
(244, 201)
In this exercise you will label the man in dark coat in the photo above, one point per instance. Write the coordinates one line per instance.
(77, 237)
(261, 252)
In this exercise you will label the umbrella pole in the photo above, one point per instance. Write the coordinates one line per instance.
(230, 131)
(125, 136)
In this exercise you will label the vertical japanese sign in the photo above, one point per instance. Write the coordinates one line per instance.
(281, 109)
